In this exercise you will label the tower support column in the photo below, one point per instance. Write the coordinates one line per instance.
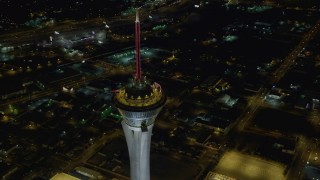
(138, 143)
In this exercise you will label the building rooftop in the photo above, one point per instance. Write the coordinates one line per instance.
(63, 176)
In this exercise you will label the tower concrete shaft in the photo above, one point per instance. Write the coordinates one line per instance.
(138, 143)
(137, 128)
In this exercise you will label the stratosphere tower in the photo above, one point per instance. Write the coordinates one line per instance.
(139, 103)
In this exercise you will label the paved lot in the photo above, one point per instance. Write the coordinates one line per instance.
(242, 166)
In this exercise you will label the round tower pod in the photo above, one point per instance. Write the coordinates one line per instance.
(139, 101)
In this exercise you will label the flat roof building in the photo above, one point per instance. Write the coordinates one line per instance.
(63, 176)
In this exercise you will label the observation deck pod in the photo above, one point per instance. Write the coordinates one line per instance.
(139, 102)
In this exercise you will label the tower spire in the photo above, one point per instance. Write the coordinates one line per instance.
(137, 39)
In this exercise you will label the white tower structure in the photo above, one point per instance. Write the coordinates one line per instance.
(139, 103)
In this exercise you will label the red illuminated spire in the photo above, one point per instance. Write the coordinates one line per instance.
(138, 56)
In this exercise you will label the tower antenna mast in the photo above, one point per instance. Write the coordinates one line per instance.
(137, 39)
